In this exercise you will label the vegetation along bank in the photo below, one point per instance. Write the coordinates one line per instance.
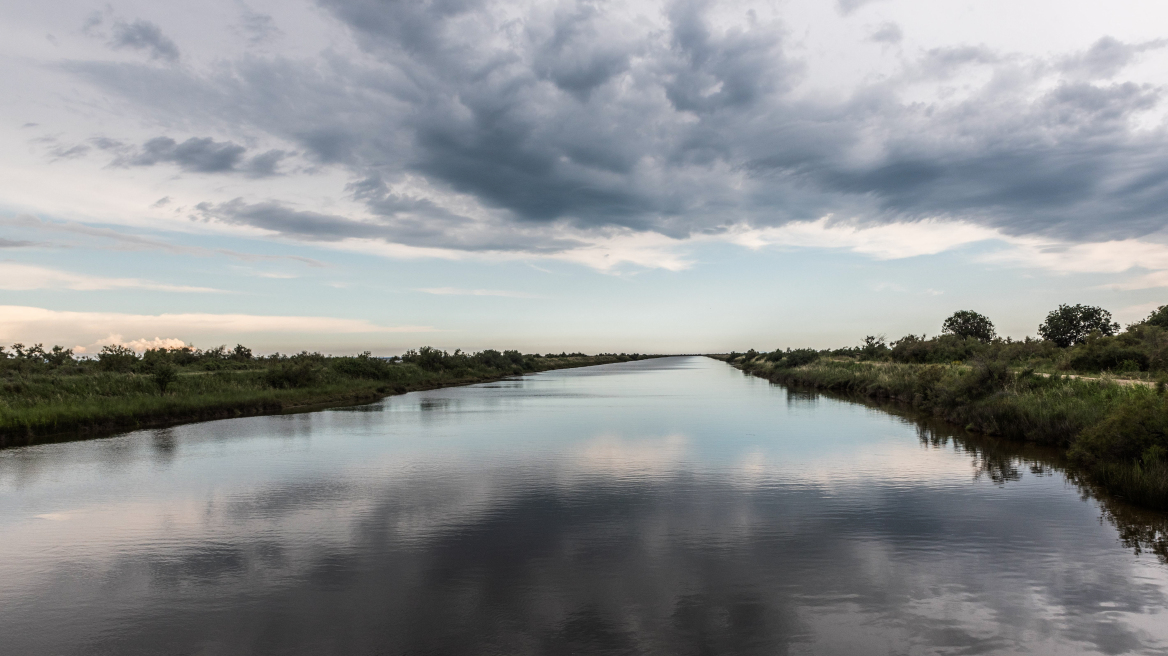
(49, 395)
(1085, 386)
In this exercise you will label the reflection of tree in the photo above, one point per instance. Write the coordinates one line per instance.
(1002, 460)
(1139, 530)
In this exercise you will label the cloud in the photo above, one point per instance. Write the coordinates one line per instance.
(1107, 57)
(15, 243)
(882, 241)
(138, 345)
(19, 277)
(32, 323)
(848, 6)
(146, 36)
(258, 27)
(490, 125)
(201, 155)
(888, 33)
(454, 291)
(128, 241)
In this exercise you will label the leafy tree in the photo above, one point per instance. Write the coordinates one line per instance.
(874, 347)
(1158, 318)
(967, 323)
(241, 352)
(116, 357)
(1071, 324)
(59, 356)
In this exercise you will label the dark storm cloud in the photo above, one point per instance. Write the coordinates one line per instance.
(400, 220)
(200, 155)
(574, 116)
(145, 36)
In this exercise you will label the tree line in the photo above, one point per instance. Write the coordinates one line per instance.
(1071, 337)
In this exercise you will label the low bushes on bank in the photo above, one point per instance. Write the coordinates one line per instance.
(1116, 433)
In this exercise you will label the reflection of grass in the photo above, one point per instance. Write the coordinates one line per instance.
(45, 406)
(1003, 460)
(1116, 434)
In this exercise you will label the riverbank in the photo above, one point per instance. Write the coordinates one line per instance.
(1114, 434)
(80, 402)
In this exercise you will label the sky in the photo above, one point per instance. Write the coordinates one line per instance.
(667, 177)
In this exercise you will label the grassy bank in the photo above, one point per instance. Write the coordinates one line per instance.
(1114, 434)
(49, 398)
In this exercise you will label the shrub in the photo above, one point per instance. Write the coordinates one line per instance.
(117, 358)
(292, 375)
(361, 366)
(427, 358)
(164, 374)
(1137, 430)
(799, 357)
(1106, 354)
(986, 377)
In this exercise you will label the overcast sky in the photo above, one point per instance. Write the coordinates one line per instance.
(680, 176)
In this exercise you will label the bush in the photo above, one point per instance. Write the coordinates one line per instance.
(1135, 431)
(939, 350)
(799, 357)
(164, 374)
(986, 377)
(292, 375)
(117, 358)
(427, 358)
(362, 366)
(1106, 354)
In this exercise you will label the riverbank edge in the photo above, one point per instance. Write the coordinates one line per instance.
(1143, 487)
(294, 401)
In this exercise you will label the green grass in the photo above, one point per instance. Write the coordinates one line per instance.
(1115, 435)
(84, 402)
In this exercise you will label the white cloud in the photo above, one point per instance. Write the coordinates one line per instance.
(23, 323)
(135, 344)
(19, 277)
(887, 241)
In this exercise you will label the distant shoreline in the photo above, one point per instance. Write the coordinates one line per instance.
(84, 404)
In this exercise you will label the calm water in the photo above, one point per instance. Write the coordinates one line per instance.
(668, 506)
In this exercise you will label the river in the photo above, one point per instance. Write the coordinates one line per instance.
(670, 506)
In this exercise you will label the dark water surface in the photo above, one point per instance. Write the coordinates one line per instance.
(671, 506)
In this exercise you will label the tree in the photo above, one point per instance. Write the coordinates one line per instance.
(967, 323)
(116, 357)
(1159, 317)
(1071, 324)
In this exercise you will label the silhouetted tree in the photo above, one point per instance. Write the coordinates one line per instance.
(1159, 317)
(1071, 324)
(967, 323)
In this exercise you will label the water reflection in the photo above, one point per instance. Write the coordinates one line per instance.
(655, 507)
